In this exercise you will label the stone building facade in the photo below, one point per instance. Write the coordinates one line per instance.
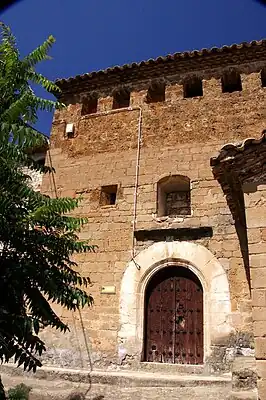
(135, 142)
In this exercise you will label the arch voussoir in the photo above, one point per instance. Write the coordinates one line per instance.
(213, 278)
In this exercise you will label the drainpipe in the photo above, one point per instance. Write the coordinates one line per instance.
(139, 139)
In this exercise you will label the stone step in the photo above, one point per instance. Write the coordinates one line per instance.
(178, 369)
(246, 395)
(55, 389)
(127, 378)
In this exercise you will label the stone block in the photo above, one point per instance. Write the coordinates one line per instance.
(257, 248)
(263, 234)
(259, 313)
(243, 395)
(261, 369)
(254, 235)
(258, 278)
(258, 260)
(244, 376)
(258, 298)
(230, 245)
(262, 389)
(256, 219)
(260, 348)
(245, 306)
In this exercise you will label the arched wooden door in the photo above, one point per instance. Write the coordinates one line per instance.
(174, 317)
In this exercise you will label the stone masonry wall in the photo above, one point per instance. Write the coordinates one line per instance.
(255, 201)
(178, 137)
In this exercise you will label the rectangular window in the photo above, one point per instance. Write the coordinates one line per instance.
(231, 82)
(89, 106)
(193, 88)
(156, 93)
(121, 99)
(108, 195)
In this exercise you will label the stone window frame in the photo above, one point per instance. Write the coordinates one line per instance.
(178, 182)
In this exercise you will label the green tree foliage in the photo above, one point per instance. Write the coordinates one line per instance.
(37, 234)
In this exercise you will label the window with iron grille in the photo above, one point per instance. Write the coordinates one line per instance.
(173, 196)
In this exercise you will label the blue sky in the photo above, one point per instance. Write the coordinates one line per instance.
(92, 35)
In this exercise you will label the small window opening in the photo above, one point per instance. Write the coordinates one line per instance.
(173, 196)
(121, 99)
(231, 82)
(263, 77)
(156, 93)
(108, 195)
(89, 106)
(193, 88)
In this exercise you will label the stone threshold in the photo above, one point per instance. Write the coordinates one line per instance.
(244, 395)
(178, 369)
(128, 378)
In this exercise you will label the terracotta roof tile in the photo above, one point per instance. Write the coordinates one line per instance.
(230, 150)
(168, 58)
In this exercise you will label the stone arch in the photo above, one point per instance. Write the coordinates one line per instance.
(217, 304)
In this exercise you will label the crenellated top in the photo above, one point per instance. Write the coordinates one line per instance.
(175, 68)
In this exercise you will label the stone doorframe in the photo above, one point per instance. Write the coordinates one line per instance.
(216, 296)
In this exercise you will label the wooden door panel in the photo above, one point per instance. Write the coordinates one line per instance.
(199, 325)
(174, 317)
(153, 346)
(167, 320)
